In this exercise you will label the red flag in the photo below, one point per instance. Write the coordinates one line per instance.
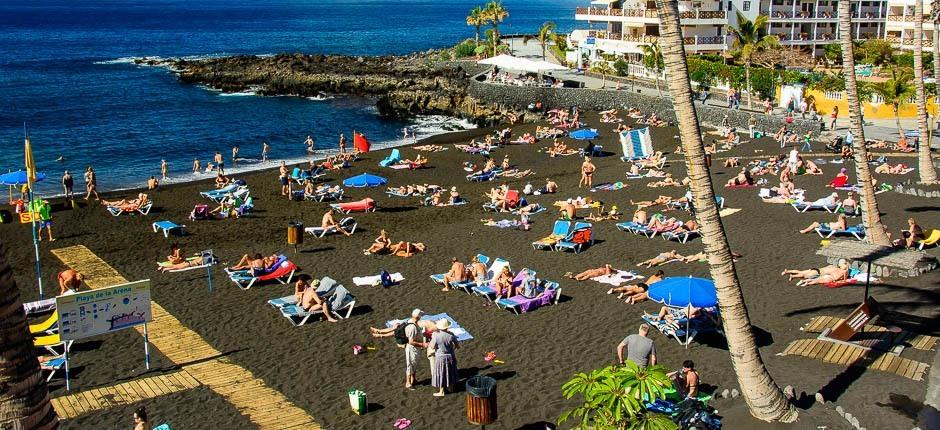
(360, 142)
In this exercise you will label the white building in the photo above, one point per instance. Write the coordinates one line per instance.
(622, 27)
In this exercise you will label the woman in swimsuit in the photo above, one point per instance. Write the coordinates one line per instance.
(379, 245)
(635, 293)
(662, 258)
(591, 273)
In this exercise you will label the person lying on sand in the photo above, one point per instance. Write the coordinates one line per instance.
(820, 275)
(661, 200)
(670, 315)
(185, 264)
(839, 224)
(668, 181)
(591, 273)
(887, 169)
(379, 245)
(407, 249)
(426, 326)
(662, 258)
(457, 273)
(529, 209)
(743, 178)
(601, 215)
(635, 293)
(551, 187)
(127, 205)
(732, 162)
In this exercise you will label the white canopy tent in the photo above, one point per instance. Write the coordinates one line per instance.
(520, 64)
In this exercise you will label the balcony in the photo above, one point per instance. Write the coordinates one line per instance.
(628, 43)
(907, 42)
(704, 17)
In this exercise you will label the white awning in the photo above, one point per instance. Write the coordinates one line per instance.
(520, 64)
(602, 1)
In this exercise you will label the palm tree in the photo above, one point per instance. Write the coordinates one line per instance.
(653, 59)
(477, 18)
(546, 33)
(895, 92)
(749, 39)
(495, 13)
(871, 216)
(928, 174)
(25, 399)
(603, 68)
(935, 21)
(764, 398)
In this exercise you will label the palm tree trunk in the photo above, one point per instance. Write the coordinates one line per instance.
(657, 84)
(747, 82)
(478, 34)
(936, 50)
(928, 174)
(871, 216)
(897, 120)
(24, 400)
(763, 396)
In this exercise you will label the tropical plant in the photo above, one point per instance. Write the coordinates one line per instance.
(621, 68)
(477, 18)
(877, 51)
(895, 92)
(653, 60)
(615, 397)
(546, 34)
(466, 48)
(25, 400)
(928, 173)
(602, 68)
(764, 398)
(833, 81)
(871, 216)
(832, 53)
(749, 38)
(495, 14)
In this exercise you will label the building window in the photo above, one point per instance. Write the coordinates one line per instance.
(747, 6)
(729, 6)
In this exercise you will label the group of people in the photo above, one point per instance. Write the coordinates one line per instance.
(383, 245)
(440, 346)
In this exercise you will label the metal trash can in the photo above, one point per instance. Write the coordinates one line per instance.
(481, 400)
(295, 233)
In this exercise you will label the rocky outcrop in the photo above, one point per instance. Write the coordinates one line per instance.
(402, 85)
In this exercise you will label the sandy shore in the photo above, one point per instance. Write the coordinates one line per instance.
(314, 365)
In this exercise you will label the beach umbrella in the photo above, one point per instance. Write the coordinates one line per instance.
(681, 292)
(584, 134)
(365, 180)
(360, 142)
(20, 177)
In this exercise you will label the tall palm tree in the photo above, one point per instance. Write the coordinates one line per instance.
(895, 92)
(749, 39)
(928, 174)
(477, 18)
(653, 59)
(24, 402)
(871, 216)
(935, 23)
(495, 14)
(546, 34)
(764, 398)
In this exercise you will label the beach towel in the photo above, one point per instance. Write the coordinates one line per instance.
(459, 332)
(636, 144)
(607, 187)
(618, 277)
(504, 223)
(376, 280)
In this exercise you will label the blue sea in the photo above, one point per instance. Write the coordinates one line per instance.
(65, 70)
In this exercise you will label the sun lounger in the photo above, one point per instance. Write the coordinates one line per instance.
(482, 177)
(340, 304)
(684, 330)
(393, 157)
(324, 288)
(142, 209)
(802, 206)
(455, 328)
(681, 236)
(347, 223)
(537, 210)
(282, 271)
(634, 227)
(326, 195)
(50, 342)
(650, 232)
(233, 190)
(364, 205)
(488, 289)
(207, 258)
(858, 231)
(581, 234)
(167, 227)
(618, 278)
(546, 293)
(246, 208)
(931, 237)
(47, 326)
(465, 285)
(39, 306)
(559, 232)
(53, 365)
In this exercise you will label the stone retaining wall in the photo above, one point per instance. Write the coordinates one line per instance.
(597, 99)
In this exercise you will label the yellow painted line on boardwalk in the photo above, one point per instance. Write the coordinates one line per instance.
(77, 404)
(265, 407)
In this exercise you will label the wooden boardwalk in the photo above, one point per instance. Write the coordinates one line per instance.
(852, 355)
(126, 393)
(916, 341)
(265, 407)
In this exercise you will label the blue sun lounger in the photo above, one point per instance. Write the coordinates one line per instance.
(392, 158)
(857, 231)
(488, 289)
(167, 227)
(681, 237)
(339, 300)
(546, 293)
(559, 232)
(684, 330)
(581, 234)
(634, 227)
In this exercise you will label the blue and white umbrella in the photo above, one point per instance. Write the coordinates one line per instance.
(365, 180)
(584, 134)
(18, 177)
(681, 292)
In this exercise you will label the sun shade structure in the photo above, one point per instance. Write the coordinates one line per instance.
(365, 180)
(19, 177)
(681, 292)
(584, 134)
(520, 64)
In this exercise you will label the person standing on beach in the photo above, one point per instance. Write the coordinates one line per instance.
(833, 117)
(67, 184)
(587, 173)
(43, 213)
(91, 184)
(444, 343)
(265, 149)
(164, 169)
(640, 348)
(415, 340)
(342, 143)
(219, 162)
(309, 144)
(196, 166)
(235, 155)
(285, 181)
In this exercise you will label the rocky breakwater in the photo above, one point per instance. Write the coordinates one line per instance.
(402, 85)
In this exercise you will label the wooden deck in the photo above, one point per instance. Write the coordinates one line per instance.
(850, 355)
(77, 404)
(917, 341)
(265, 407)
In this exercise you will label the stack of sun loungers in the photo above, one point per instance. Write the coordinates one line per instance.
(281, 271)
(340, 303)
(46, 335)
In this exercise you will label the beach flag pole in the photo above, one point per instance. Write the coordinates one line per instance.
(30, 178)
(146, 347)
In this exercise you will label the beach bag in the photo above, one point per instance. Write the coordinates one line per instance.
(582, 236)
(385, 278)
(358, 401)
(400, 337)
(694, 414)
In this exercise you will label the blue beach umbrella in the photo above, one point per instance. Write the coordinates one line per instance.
(681, 292)
(19, 177)
(584, 134)
(365, 180)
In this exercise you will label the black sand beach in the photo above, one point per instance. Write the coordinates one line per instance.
(314, 366)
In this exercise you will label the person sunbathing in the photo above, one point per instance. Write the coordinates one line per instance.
(634, 113)
(379, 245)
(662, 258)
(248, 262)
(612, 214)
(668, 181)
(687, 227)
(591, 273)
(127, 205)
(840, 180)
(406, 249)
(732, 162)
(640, 216)
(820, 275)
(567, 210)
(661, 200)
(489, 165)
(742, 179)
(427, 327)
(903, 145)
(838, 225)
(221, 180)
(503, 283)
(175, 256)
(478, 270)
(457, 273)
(529, 209)
(310, 301)
(660, 222)
(635, 293)
(913, 234)
(897, 169)
(810, 168)
(185, 264)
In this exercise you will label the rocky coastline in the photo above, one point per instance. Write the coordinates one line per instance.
(402, 86)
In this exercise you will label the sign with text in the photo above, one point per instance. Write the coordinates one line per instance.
(104, 310)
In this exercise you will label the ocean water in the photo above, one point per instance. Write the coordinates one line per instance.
(65, 71)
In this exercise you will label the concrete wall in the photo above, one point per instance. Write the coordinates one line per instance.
(596, 99)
